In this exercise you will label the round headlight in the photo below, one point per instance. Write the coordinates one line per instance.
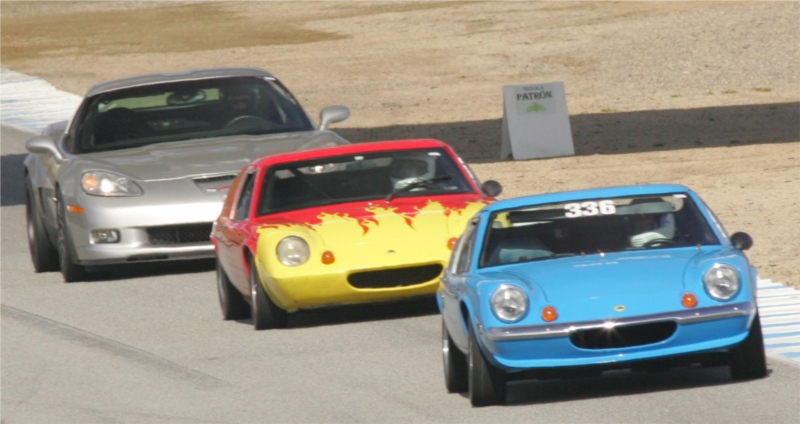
(509, 303)
(293, 251)
(721, 281)
(103, 183)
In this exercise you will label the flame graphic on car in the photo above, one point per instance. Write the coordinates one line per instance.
(365, 230)
(371, 216)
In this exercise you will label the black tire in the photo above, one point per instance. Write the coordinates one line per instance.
(487, 384)
(455, 364)
(71, 271)
(231, 301)
(748, 360)
(43, 255)
(265, 314)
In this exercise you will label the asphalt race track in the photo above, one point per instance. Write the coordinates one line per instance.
(147, 345)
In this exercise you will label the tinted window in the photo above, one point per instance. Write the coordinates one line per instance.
(463, 250)
(590, 226)
(186, 110)
(348, 178)
(246, 198)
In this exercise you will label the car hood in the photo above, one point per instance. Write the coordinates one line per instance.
(403, 221)
(373, 235)
(613, 275)
(202, 156)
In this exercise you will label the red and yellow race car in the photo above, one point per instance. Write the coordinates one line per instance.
(348, 224)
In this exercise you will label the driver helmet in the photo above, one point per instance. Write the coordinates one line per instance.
(649, 227)
(238, 97)
(408, 169)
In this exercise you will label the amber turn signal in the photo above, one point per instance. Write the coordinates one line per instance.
(451, 244)
(90, 181)
(549, 314)
(689, 300)
(76, 209)
(327, 257)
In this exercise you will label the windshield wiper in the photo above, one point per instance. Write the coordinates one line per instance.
(417, 184)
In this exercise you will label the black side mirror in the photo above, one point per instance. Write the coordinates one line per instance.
(742, 241)
(491, 188)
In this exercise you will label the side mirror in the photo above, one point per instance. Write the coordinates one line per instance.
(741, 241)
(491, 188)
(332, 115)
(43, 145)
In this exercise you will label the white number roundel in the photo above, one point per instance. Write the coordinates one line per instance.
(603, 207)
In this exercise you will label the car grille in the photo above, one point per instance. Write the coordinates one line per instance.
(623, 336)
(397, 277)
(179, 234)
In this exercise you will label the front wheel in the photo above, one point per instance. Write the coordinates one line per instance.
(231, 301)
(265, 313)
(43, 255)
(487, 384)
(69, 269)
(455, 364)
(748, 360)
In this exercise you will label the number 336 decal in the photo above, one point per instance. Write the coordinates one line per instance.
(603, 207)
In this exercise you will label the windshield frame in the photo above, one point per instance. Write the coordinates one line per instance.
(589, 226)
(354, 177)
(162, 115)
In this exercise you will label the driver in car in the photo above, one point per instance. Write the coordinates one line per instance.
(239, 101)
(407, 170)
(650, 227)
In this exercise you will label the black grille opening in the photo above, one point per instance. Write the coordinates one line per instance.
(179, 234)
(398, 277)
(623, 336)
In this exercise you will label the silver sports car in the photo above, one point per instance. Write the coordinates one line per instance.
(141, 170)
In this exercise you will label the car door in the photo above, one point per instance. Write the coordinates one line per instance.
(454, 284)
(231, 232)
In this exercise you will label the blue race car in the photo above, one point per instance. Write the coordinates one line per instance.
(638, 277)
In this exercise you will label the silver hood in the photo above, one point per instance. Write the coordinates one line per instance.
(203, 157)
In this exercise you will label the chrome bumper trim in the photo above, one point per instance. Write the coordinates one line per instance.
(564, 330)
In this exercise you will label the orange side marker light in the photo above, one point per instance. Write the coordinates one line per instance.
(451, 244)
(689, 300)
(76, 209)
(327, 257)
(549, 314)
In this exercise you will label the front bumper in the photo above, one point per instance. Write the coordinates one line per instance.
(141, 229)
(544, 346)
(334, 287)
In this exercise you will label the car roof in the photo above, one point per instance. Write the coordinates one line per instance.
(369, 147)
(196, 74)
(594, 193)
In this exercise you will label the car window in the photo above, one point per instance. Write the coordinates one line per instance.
(592, 226)
(462, 253)
(368, 176)
(187, 110)
(245, 198)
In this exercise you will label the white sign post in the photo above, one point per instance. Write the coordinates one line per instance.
(535, 122)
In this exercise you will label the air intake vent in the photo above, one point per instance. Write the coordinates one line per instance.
(623, 336)
(179, 234)
(216, 184)
(398, 277)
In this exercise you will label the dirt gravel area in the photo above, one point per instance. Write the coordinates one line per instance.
(705, 94)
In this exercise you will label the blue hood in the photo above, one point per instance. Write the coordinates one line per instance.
(615, 274)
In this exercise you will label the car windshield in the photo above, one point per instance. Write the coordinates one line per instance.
(369, 176)
(592, 226)
(187, 110)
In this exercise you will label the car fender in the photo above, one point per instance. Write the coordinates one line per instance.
(43, 167)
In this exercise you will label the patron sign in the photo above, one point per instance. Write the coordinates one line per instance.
(535, 122)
